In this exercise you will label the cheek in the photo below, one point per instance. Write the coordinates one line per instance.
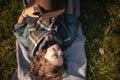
(48, 55)
(61, 61)
(50, 51)
(58, 61)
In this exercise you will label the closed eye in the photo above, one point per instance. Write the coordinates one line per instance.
(55, 55)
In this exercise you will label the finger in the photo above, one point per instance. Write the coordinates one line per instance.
(35, 16)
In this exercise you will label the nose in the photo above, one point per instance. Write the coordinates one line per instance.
(60, 54)
(57, 47)
(58, 51)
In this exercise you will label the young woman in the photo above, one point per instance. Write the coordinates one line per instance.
(50, 55)
(48, 65)
(50, 60)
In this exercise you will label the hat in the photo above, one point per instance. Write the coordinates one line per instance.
(49, 8)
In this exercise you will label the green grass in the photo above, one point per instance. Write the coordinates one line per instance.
(9, 11)
(100, 23)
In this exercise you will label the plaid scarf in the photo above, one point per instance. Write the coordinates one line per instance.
(45, 33)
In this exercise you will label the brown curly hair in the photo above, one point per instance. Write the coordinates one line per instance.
(42, 69)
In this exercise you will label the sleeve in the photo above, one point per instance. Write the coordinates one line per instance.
(23, 63)
(22, 32)
(72, 23)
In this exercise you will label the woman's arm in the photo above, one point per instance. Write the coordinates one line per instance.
(22, 29)
(21, 19)
(27, 12)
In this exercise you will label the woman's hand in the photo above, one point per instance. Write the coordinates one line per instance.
(31, 10)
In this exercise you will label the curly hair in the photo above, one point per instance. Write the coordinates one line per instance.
(41, 68)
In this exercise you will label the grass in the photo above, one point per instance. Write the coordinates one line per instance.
(100, 23)
(9, 11)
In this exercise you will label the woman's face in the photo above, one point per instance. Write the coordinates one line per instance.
(54, 55)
